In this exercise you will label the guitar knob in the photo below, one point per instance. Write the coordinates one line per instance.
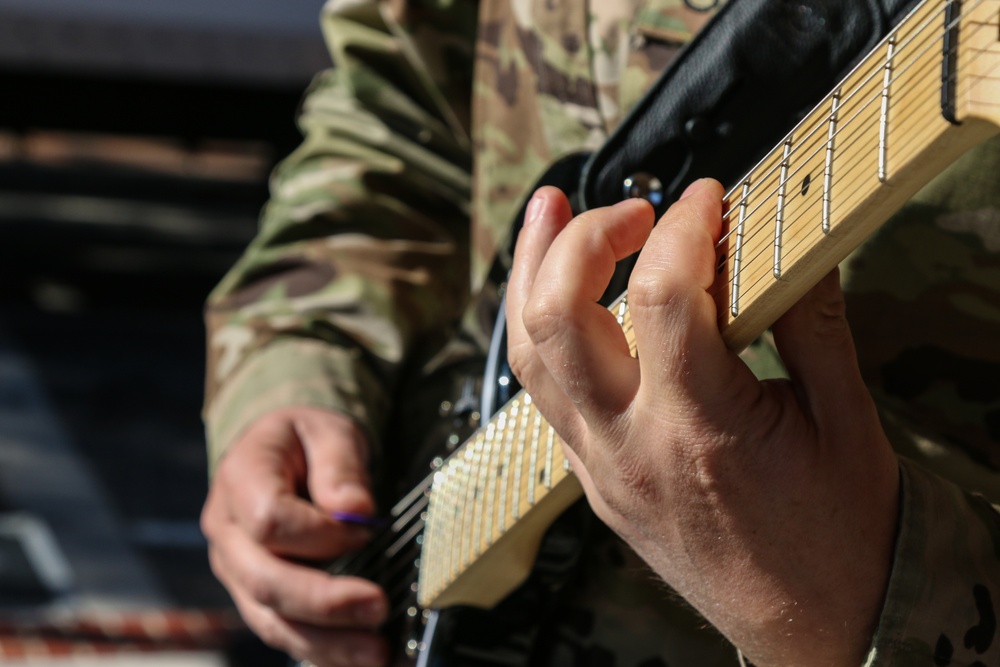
(643, 185)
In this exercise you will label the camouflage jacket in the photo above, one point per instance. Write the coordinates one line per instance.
(367, 274)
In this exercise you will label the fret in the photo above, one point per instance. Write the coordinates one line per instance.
(505, 476)
(471, 491)
(432, 569)
(452, 515)
(491, 474)
(533, 463)
(549, 452)
(831, 139)
(734, 305)
(883, 134)
(462, 489)
(484, 468)
(520, 460)
(779, 218)
(477, 445)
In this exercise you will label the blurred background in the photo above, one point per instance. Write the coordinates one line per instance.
(135, 143)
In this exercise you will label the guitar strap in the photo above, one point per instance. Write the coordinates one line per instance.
(756, 69)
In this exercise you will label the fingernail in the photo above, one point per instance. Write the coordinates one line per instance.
(370, 613)
(534, 210)
(693, 188)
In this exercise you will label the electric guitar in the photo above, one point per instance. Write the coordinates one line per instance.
(468, 535)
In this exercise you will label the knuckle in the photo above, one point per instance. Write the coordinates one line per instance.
(271, 633)
(651, 289)
(544, 317)
(260, 587)
(264, 524)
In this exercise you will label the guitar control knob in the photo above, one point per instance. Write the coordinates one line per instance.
(643, 185)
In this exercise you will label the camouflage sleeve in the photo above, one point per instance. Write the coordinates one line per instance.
(939, 608)
(362, 250)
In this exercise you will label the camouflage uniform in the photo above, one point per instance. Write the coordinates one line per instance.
(367, 277)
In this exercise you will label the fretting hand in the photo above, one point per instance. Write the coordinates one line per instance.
(770, 506)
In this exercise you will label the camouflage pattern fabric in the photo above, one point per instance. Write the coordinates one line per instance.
(368, 276)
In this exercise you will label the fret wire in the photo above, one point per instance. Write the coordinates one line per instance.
(923, 65)
(828, 169)
(508, 449)
(916, 126)
(918, 31)
(847, 125)
(851, 174)
(515, 510)
(850, 124)
(474, 499)
(481, 503)
(533, 463)
(883, 134)
(734, 306)
(484, 447)
(452, 505)
(494, 465)
(549, 456)
(779, 219)
(468, 515)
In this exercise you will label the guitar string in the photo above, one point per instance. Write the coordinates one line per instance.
(814, 137)
(876, 69)
(847, 130)
(964, 66)
(797, 228)
(798, 239)
(767, 197)
(420, 491)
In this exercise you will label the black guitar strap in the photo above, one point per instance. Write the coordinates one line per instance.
(732, 94)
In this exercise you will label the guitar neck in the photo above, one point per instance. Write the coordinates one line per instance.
(925, 95)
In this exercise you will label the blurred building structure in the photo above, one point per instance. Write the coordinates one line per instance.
(135, 143)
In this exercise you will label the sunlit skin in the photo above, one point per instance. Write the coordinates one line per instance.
(770, 506)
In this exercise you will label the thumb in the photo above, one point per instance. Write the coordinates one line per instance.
(337, 456)
(815, 343)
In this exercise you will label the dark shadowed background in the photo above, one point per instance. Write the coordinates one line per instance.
(135, 143)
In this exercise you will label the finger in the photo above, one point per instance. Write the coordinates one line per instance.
(814, 341)
(322, 646)
(295, 592)
(547, 214)
(681, 352)
(337, 455)
(580, 342)
(259, 478)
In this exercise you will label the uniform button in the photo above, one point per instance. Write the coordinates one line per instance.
(643, 186)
